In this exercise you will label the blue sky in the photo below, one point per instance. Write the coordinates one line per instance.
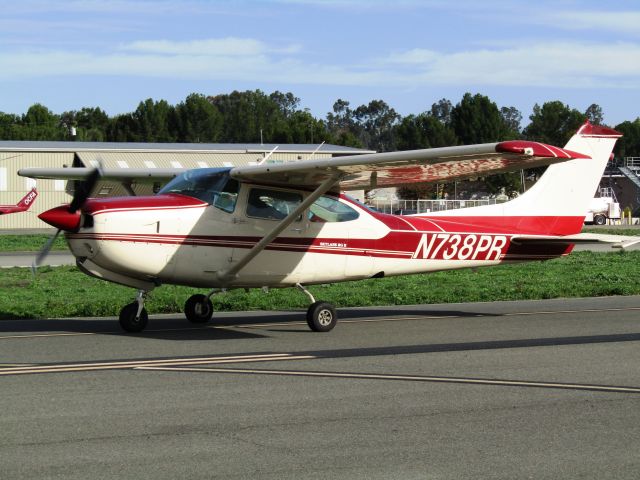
(112, 54)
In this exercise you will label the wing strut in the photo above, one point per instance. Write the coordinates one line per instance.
(227, 275)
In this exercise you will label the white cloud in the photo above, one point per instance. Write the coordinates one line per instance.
(576, 65)
(544, 64)
(111, 6)
(620, 22)
(416, 56)
(230, 46)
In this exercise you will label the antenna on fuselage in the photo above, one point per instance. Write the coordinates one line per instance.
(268, 155)
(315, 151)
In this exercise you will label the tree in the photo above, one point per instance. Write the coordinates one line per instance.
(594, 114)
(512, 118)
(442, 110)
(197, 120)
(286, 102)
(91, 124)
(376, 121)
(476, 119)
(423, 131)
(302, 127)
(249, 116)
(10, 128)
(39, 123)
(553, 123)
(342, 125)
(629, 144)
(122, 128)
(152, 121)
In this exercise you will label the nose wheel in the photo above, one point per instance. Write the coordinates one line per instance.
(132, 318)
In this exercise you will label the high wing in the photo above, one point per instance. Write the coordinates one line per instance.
(139, 175)
(377, 170)
(355, 172)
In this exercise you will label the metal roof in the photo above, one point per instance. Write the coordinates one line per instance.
(10, 145)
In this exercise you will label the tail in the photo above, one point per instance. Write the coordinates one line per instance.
(566, 189)
(559, 200)
(28, 200)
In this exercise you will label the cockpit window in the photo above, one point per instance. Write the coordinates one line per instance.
(272, 204)
(329, 209)
(211, 185)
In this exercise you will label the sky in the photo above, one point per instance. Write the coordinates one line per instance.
(72, 54)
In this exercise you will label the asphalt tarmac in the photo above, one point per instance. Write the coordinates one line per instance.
(538, 389)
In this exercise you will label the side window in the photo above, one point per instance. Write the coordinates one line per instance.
(329, 209)
(271, 204)
(226, 198)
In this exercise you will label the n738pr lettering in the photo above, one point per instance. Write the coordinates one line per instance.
(456, 246)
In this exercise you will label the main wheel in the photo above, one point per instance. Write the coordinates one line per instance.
(198, 309)
(321, 317)
(130, 322)
(599, 219)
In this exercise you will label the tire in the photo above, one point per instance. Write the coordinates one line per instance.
(599, 220)
(128, 320)
(198, 309)
(321, 317)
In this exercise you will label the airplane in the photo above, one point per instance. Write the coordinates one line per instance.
(23, 205)
(291, 225)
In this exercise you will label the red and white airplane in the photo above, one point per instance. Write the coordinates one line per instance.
(288, 225)
(22, 206)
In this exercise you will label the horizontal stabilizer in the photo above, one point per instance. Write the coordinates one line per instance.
(616, 241)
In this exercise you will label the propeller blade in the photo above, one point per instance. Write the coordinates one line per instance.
(44, 252)
(83, 189)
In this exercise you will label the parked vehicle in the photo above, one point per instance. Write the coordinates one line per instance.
(603, 208)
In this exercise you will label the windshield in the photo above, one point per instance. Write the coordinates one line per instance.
(212, 185)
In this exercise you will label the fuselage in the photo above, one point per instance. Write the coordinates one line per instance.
(174, 238)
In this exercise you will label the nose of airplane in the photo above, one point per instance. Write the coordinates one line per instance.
(60, 217)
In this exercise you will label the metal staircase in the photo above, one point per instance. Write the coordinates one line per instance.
(631, 175)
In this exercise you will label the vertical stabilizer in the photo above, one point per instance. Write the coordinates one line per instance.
(27, 200)
(566, 189)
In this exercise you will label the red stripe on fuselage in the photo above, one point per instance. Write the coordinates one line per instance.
(401, 245)
(96, 206)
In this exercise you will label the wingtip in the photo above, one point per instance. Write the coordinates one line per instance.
(589, 130)
(524, 147)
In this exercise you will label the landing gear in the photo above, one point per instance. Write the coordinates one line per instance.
(198, 308)
(134, 317)
(321, 316)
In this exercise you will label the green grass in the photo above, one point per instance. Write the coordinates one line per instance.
(66, 292)
(612, 230)
(29, 243)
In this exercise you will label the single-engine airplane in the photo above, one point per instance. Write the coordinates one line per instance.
(289, 225)
(23, 205)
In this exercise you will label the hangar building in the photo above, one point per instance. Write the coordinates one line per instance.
(15, 155)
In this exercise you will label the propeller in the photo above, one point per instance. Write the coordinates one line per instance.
(83, 189)
(81, 193)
